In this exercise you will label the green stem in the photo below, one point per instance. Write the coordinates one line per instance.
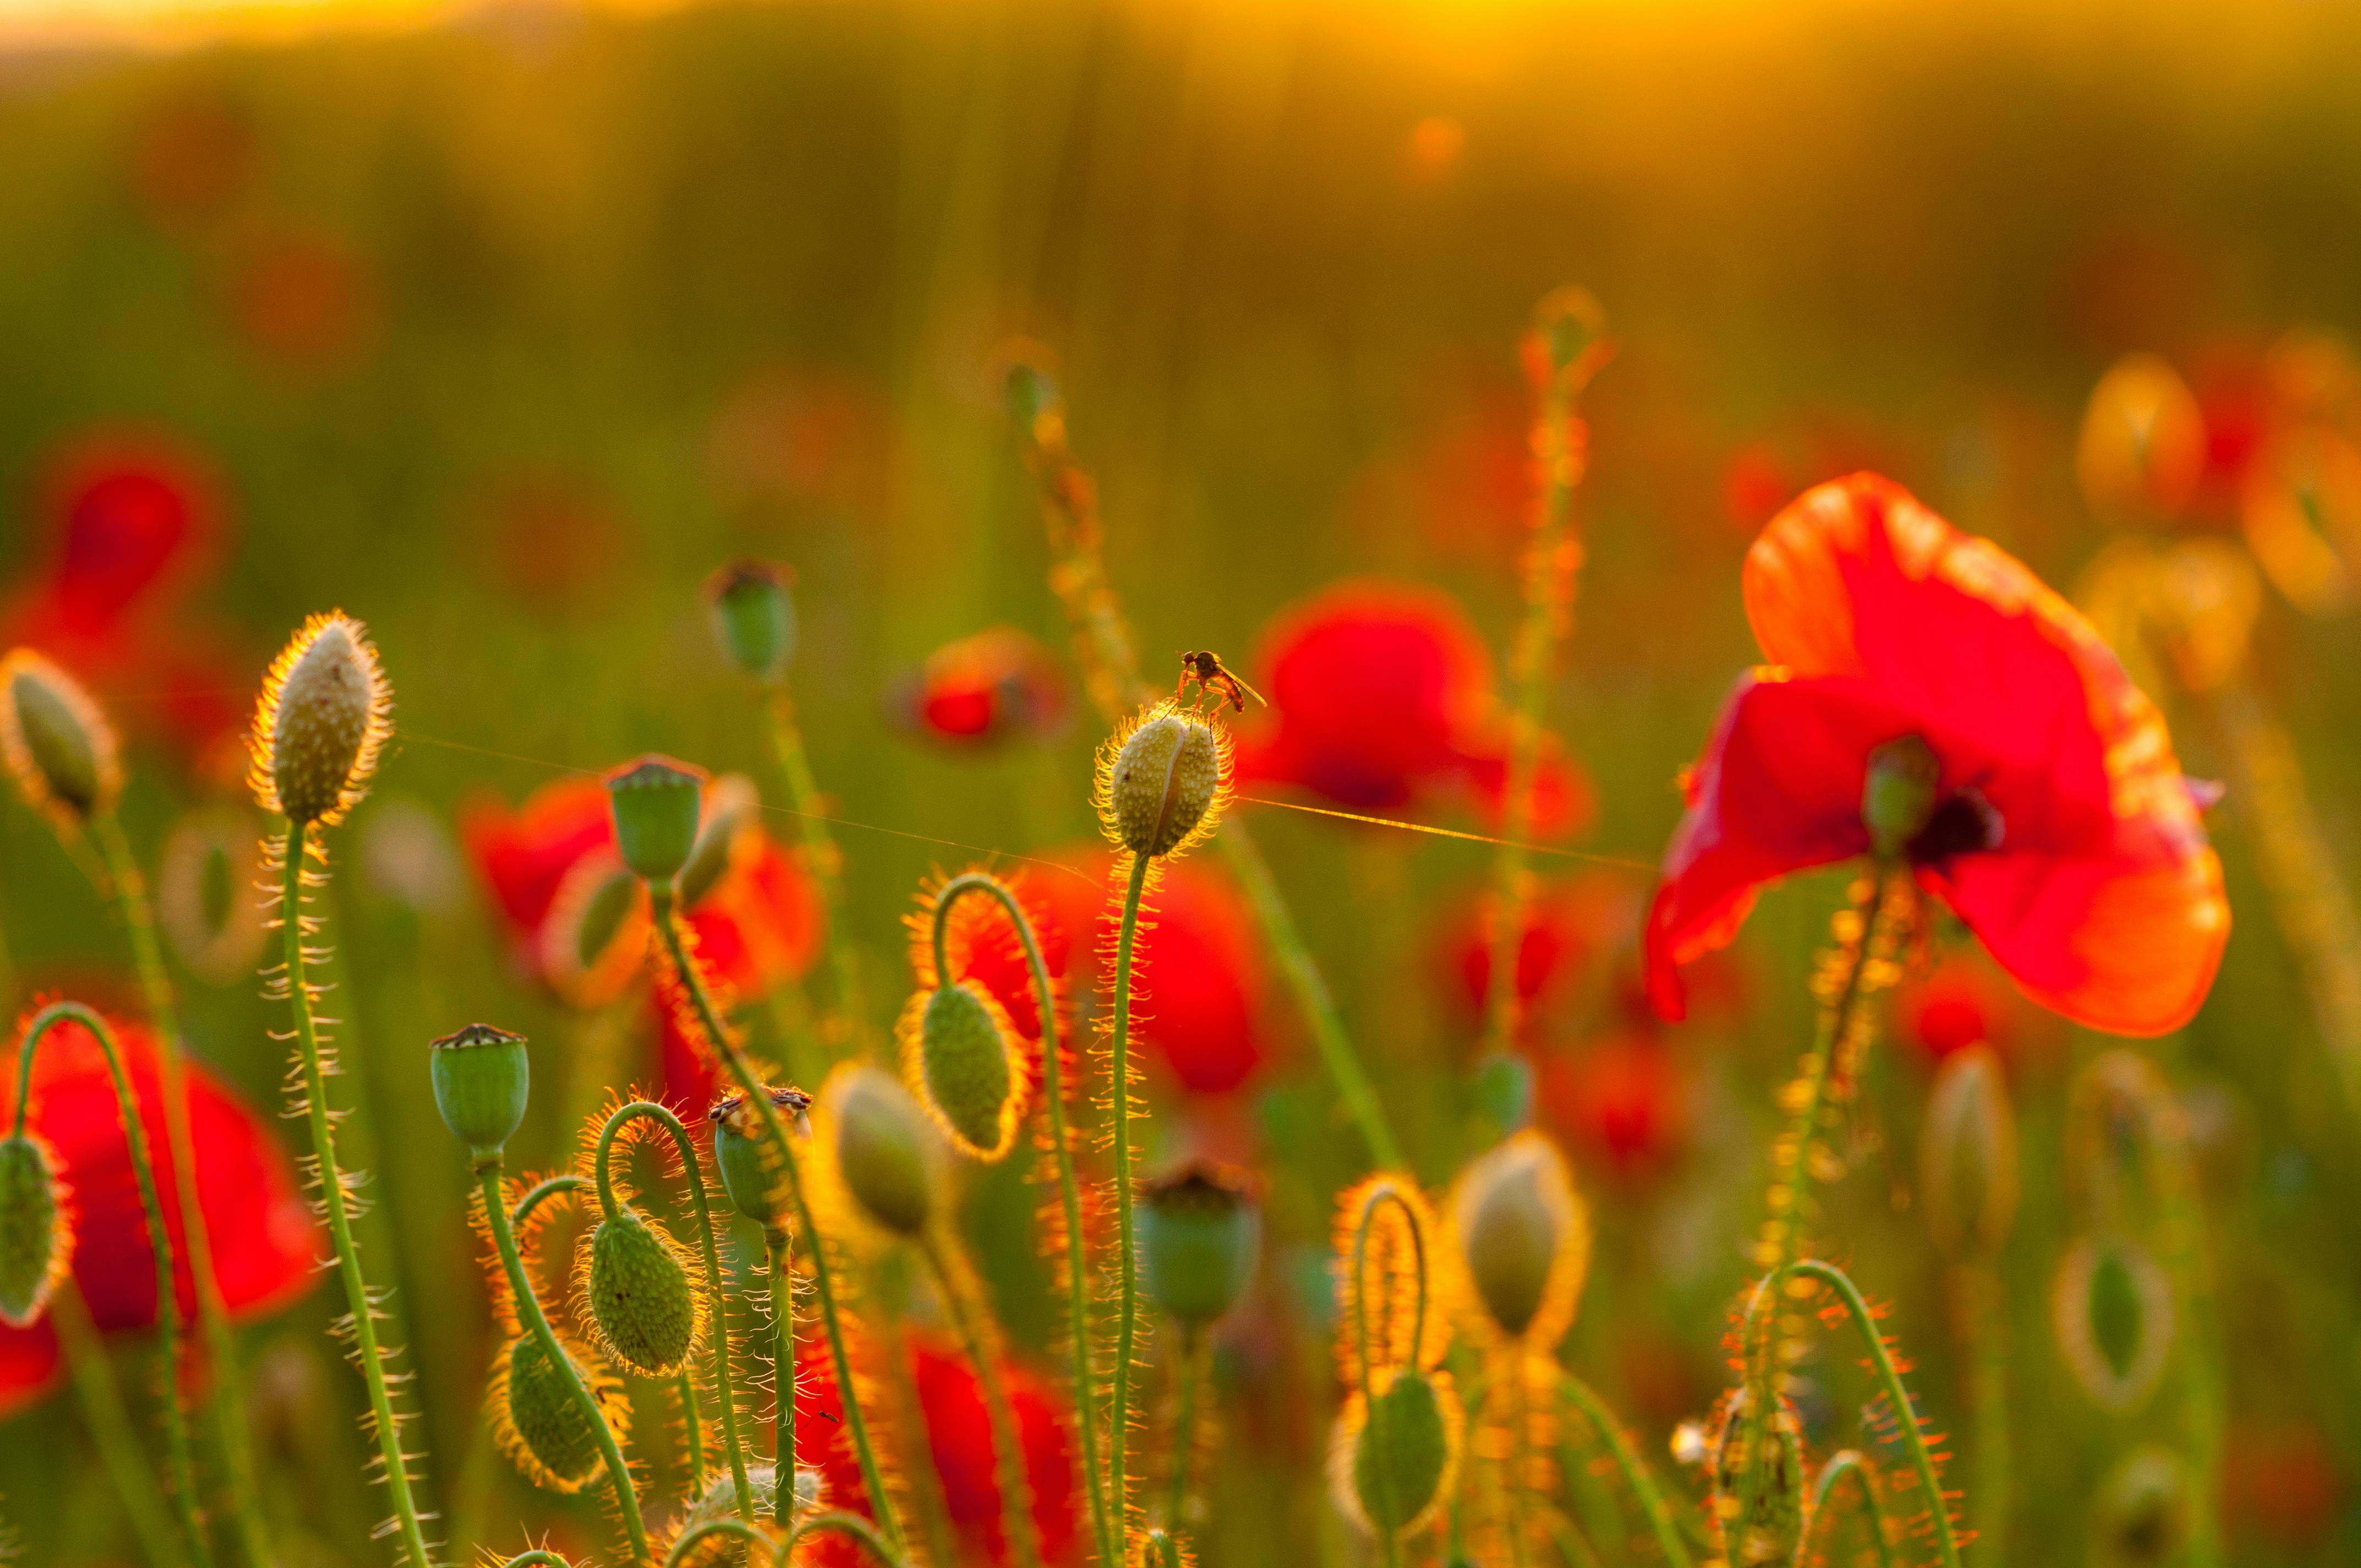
(537, 1558)
(601, 1167)
(820, 851)
(1384, 1191)
(336, 1202)
(1015, 1488)
(1193, 1348)
(1982, 1304)
(1627, 1460)
(841, 1523)
(227, 1407)
(1053, 1094)
(1889, 1379)
(1126, 1330)
(111, 1428)
(536, 1323)
(779, 1245)
(692, 1426)
(759, 1099)
(160, 1239)
(1848, 1462)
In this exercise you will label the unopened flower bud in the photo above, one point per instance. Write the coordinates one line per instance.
(1967, 1158)
(756, 1184)
(645, 1305)
(1390, 1462)
(593, 940)
(36, 1237)
(958, 1050)
(886, 1148)
(1503, 1082)
(1758, 1484)
(482, 1081)
(657, 804)
(720, 1502)
(730, 807)
(1199, 1229)
(2142, 448)
(539, 1423)
(754, 616)
(2140, 1517)
(2113, 1308)
(55, 741)
(325, 711)
(1522, 1239)
(1897, 797)
(1161, 784)
(205, 899)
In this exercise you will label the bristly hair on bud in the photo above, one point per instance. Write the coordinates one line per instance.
(55, 741)
(1400, 1264)
(1162, 781)
(1519, 1244)
(961, 1055)
(882, 1163)
(323, 716)
(37, 1227)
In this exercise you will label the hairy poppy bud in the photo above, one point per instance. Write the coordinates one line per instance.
(644, 1304)
(1568, 337)
(731, 806)
(1522, 1237)
(753, 1183)
(657, 804)
(1758, 1489)
(754, 615)
(593, 938)
(1161, 782)
(1198, 1230)
(1393, 1454)
(537, 1421)
(2113, 1308)
(1967, 1158)
(720, 1502)
(1897, 797)
(957, 1047)
(325, 710)
(36, 1228)
(482, 1080)
(2140, 1517)
(55, 741)
(885, 1150)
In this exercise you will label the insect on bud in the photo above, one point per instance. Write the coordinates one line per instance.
(1390, 1462)
(55, 741)
(754, 616)
(957, 1048)
(1162, 782)
(1898, 797)
(886, 1151)
(754, 1184)
(1522, 1240)
(537, 1422)
(1199, 1229)
(2113, 1307)
(657, 804)
(2140, 1517)
(482, 1081)
(324, 713)
(36, 1237)
(645, 1305)
(1967, 1158)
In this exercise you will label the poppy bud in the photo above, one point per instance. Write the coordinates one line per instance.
(957, 1048)
(720, 1502)
(585, 952)
(730, 805)
(2114, 1312)
(1391, 1460)
(1897, 797)
(1199, 1232)
(36, 1228)
(324, 712)
(1759, 1497)
(2141, 1516)
(657, 804)
(1522, 1238)
(885, 1148)
(644, 1304)
(537, 1419)
(58, 744)
(205, 901)
(1164, 783)
(1567, 337)
(1032, 392)
(754, 616)
(1504, 1089)
(482, 1080)
(1967, 1158)
(752, 1182)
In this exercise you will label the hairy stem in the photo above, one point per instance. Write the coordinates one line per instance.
(1636, 1475)
(692, 1427)
(851, 1020)
(1126, 1330)
(110, 1427)
(968, 1322)
(1850, 1462)
(1383, 1192)
(1984, 1330)
(779, 1247)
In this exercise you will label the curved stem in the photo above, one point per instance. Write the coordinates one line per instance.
(742, 1071)
(841, 1523)
(334, 1200)
(536, 1323)
(1015, 1488)
(1384, 1191)
(779, 1244)
(819, 849)
(1126, 1330)
(603, 1176)
(1053, 1095)
(1193, 1348)
(537, 1558)
(110, 1427)
(159, 1240)
(227, 1405)
(1848, 1461)
(692, 1426)
(712, 1529)
(542, 1193)
(1627, 1460)
(1889, 1378)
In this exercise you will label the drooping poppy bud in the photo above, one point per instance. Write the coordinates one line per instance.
(324, 713)
(644, 1303)
(1759, 1484)
(656, 803)
(886, 1148)
(1199, 1229)
(730, 807)
(1521, 1236)
(753, 1183)
(1967, 1158)
(482, 1081)
(36, 1232)
(754, 616)
(538, 1422)
(594, 939)
(55, 741)
(2112, 1304)
(1162, 781)
(959, 1050)
(205, 901)
(1897, 795)
(2140, 1517)
(1390, 1462)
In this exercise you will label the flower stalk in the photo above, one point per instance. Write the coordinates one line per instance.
(968, 1324)
(110, 1428)
(851, 1020)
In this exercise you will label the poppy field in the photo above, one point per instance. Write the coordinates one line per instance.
(1013, 786)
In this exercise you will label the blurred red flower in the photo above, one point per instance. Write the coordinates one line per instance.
(2280, 1484)
(265, 1241)
(1569, 926)
(1958, 1004)
(1621, 1096)
(304, 300)
(982, 946)
(2064, 836)
(1384, 701)
(997, 686)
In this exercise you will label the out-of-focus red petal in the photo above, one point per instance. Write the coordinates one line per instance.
(1202, 983)
(960, 1442)
(1620, 1098)
(129, 514)
(523, 854)
(30, 1366)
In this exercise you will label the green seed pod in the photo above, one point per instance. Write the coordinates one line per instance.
(2140, 1517)
(36, 1236)
(957, 1049)
(1898, 797)
(55, 741)
(324, 714)
(757, 1187)
(754, 616)
(720, 1501)
(1161, 785)
(538, 1421)
(886, 1150)
(642, 1302)
(1522, 1240)
(482, 1081)
(1199, 1229)
(1758, 1491)
(657, 804)
(730, 807)
(1503, 1082)
(1967, 1158)
(2112, 1310)
(1390, 1464)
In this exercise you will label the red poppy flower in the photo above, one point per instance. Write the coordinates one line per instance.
(997, 686)
(2063, 833)
(1621, 1096)
(1568, 927)
(1384, 701)
(523, 855)
(1958, 1004)
(265, 1241)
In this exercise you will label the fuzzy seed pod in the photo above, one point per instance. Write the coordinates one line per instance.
(1521, 1238)
(55, 741)
(958, 1052)
(36, 1237)
(644, 1306)
(1897, 795)
(482, 1081)
(720, 1501)
(656, 803)
(730, 807)
(886, 1150)
(2113, 1308)
(1759, 1496)
(1199, 1229)
(1391, 1459)
(1162, 781)
(537, 1422)
(754, 616)
(1967, 1158)
(2140, 1517)
(756, 1186)
(324, 713)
